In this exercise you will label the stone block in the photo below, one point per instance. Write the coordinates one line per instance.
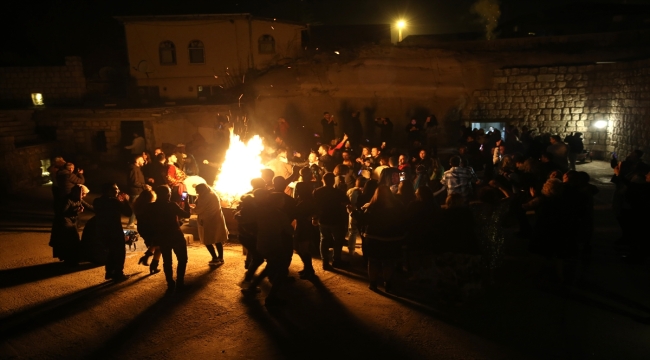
(525, 79)
(546, 77)
(561, 84)
(500, 80)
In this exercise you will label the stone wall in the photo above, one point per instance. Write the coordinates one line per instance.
(77, 130)
(58, 84)
(20, 168)
(564, 99)
(405, 81)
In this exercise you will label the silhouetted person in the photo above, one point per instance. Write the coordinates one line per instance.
(109, 209)
(65, 237)
(332, 220)
(162, 218)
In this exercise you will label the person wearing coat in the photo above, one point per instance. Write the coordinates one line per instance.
(109, 209)
(67, 178)
(64, 239)
(212, 223)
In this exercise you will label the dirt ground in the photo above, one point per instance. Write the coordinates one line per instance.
(48, 310)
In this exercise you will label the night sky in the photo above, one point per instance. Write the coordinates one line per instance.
(42, 32)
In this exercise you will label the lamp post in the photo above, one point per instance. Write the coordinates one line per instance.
(400, 25)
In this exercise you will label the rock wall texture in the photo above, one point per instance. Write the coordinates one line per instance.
(405, 81)
(564, 99)
(96, 134)
(21, 168)
(59, 84)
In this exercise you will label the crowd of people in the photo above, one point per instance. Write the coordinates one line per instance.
(155, 195)
(440, 222)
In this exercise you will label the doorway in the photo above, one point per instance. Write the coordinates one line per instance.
(487, 125)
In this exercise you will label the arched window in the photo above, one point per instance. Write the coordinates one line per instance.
(266, 44)
(196, 52)
(167, 52)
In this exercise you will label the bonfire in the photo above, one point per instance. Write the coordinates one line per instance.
(242, 164)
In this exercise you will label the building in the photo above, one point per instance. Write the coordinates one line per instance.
(198, 56)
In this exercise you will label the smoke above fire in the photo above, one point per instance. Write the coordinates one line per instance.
(489, 12)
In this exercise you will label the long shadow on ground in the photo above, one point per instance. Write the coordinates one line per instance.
(118, 345)
(27, 274)
(320, 326)
(60, 308)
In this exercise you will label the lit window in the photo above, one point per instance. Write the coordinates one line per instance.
(196, 52)
(37, 98)
(167, 52)
(266, 44)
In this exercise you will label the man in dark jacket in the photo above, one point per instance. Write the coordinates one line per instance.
(158, 170)
(109, 209)
(161, 220)
(135, 184)
(332, 220)
(68, 178)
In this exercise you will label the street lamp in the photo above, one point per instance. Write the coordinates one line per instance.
(401, 24)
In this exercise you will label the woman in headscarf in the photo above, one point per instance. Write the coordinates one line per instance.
(212, 223)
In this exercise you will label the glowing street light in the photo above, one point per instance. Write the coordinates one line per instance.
(600, 124)
(401, 24)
